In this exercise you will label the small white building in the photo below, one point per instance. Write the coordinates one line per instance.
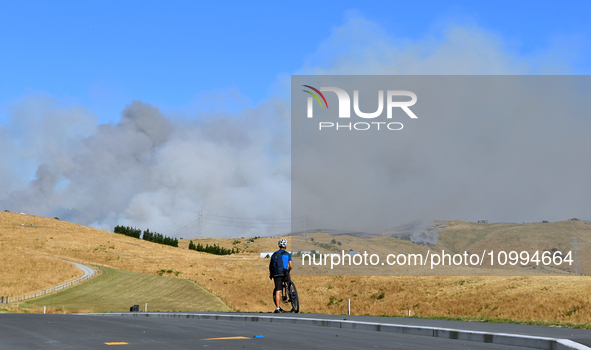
(266, 254)
(269, 254)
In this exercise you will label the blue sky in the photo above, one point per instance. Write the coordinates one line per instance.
(104, 54)
(209, 128)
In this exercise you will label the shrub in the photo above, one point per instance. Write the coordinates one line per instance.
(382, 295)
(333, 301)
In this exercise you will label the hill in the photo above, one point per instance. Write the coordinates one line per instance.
(241, 280)
(454, 237)
(38, 246)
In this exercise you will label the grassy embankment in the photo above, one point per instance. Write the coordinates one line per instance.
(116, 290)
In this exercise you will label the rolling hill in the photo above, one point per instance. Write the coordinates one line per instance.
(241, 280)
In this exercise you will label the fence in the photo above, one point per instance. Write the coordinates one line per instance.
(6, 300)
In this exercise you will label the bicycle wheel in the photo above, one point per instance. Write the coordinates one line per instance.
(293, 296)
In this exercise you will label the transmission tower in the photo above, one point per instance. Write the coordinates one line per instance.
(199, 223)
(304, 225)
(578, 270)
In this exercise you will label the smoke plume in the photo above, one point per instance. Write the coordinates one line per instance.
(156, 170)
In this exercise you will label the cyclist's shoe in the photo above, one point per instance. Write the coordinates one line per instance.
(278, 311)
(284, 298)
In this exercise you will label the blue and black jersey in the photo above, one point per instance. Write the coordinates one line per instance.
(286, 258)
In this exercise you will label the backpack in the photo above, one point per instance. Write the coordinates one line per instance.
(277, 263)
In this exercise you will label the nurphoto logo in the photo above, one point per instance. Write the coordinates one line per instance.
(345, 108)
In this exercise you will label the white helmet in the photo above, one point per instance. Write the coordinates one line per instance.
(282, 243)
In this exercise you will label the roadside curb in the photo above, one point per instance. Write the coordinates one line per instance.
(436, 332)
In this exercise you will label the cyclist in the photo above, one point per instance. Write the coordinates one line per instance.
(279, 268)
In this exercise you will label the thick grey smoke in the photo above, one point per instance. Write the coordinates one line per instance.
(155, 170)
(512, 163)
(151, 171)
(497, 148)
(424, 232)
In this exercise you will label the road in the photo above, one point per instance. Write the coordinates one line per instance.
(87, 270)
(38, 331)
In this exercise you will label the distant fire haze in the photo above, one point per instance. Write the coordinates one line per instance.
(157, 168)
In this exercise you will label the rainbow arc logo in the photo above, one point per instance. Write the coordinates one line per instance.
(344, 107)
(316, 96)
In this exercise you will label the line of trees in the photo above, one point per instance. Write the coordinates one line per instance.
(212, 249)
(160, 238)
(147, 235)
(128, 231)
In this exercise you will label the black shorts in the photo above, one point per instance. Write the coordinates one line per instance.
(279, 282)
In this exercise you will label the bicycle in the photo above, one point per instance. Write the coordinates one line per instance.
(289, 294)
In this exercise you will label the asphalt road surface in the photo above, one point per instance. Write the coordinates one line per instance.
(38, 331)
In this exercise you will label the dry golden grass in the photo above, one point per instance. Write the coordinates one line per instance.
(242, 280)
(25, 272)
(526, 298)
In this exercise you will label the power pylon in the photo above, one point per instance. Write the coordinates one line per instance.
(199, 223)
(578, 269)
(304, 222)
